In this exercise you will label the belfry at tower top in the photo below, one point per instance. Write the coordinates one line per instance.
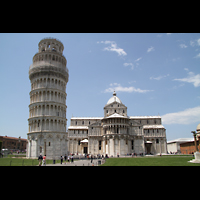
(50, 44)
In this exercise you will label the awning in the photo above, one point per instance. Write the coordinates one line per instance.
(148, 142)
(85, 140)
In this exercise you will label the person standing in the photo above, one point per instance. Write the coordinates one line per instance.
(91, 158)
(68, 159)
(40, 159)
(65, 158)
(44, 161)
(72, 158)
(61, 159)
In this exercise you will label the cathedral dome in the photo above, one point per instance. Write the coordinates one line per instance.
(114, 98)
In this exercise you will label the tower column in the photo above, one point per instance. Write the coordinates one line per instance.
(29, 149)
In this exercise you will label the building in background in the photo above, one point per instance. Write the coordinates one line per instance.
(47, 110)
(173, 146)
(13, 143)
(189, 147)
(116, 133)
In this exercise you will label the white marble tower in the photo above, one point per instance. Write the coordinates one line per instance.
(47, 110)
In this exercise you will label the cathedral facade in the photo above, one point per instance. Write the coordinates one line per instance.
(116, 133)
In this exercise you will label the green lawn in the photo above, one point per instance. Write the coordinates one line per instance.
(22, 162)
(139, 161)
(151, 161)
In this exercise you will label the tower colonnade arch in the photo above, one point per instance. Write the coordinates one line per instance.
(41, 95)
(50, 82)
(44, 109)
(50, 124)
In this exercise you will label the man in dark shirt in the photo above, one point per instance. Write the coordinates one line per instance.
(40, 159)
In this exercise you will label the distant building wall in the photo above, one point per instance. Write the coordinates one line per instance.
(13, 143)
(188, 147)
(173, 147)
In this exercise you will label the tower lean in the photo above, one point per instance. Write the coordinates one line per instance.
(47, 110)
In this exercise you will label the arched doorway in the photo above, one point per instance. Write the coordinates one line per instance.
(84, 144)
(148, 145)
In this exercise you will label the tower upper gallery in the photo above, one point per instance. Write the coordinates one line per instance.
(49, 59)
(51, 44)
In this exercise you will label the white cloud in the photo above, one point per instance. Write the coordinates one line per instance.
(195, 42)
(118, 88)
(176, 59)
(130, 82)
(158, 78)
(197, 56)
(192, 78)
(192, 43)
(168, 34)
(138, 59)
(198, 42)
(178, 86)
(113, 47)
(183, 46)
(188, 116)
(129, 64)
(150, 49)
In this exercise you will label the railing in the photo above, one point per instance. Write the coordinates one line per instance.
(46, 38)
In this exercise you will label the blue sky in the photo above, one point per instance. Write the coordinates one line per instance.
(152, 73)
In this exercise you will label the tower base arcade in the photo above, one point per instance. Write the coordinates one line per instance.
(53, 145)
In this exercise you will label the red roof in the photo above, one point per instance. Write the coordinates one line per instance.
(13, 138)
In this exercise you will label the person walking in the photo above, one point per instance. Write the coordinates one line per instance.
(40, 159)
(72, 158)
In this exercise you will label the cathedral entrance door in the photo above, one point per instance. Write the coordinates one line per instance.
(85, 150)
(148, 147)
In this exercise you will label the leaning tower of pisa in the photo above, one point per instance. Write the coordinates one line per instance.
(47, 110)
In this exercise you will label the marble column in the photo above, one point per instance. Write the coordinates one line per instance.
(29, 148)
(104, 146)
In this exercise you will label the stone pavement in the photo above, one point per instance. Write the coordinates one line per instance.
(77, 163)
